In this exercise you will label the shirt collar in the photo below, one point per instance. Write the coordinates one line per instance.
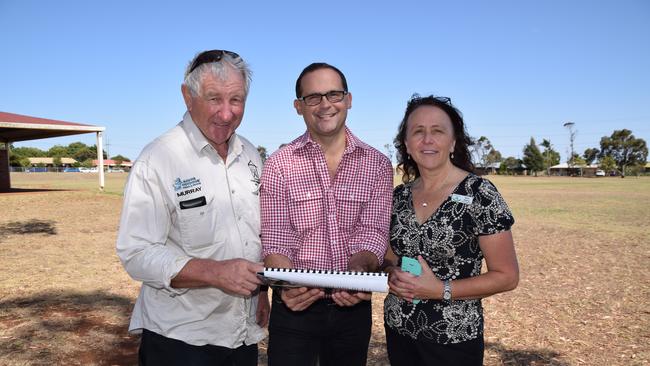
(200, 143)
(351, 142)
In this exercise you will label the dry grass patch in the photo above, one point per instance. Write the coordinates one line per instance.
(583, 247)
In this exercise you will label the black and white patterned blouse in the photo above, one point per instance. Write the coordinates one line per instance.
(448, 241)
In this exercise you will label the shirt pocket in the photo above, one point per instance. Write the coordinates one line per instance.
(306, 209)
(198, 228)
(351, 203)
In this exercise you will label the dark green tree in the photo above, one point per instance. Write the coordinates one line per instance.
(58, 151)
(57, 161)
(590, 155)
(28, 152)
(120, 158)
(624, 148)
(509, 165)
(551, 157)
(607, 163)
(533, 158)
(85, 154)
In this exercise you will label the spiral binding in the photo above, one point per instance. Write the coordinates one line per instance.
(325, 271)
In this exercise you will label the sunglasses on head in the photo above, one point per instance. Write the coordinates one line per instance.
(210, 56)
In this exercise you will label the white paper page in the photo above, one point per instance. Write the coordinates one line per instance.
(358, 281)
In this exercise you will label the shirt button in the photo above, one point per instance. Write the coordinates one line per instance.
(238, 218)
(233, 191)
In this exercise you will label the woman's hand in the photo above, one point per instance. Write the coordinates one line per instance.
(409, 287)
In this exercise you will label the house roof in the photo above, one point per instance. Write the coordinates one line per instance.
(566, 166)
(110, 162)
(50, 160)
(18, 127)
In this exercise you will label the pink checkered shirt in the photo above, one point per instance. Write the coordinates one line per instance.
(319, 223)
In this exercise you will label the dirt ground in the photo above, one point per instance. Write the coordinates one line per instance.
(582, 299)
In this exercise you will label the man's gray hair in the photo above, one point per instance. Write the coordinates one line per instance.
(219, 69)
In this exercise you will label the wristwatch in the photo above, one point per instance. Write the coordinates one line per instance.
(446, 294)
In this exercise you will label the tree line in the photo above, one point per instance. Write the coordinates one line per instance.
(621, 152)
(82, 153)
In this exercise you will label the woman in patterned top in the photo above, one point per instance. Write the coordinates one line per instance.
(448, 220)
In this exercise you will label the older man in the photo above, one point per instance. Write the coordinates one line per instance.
(326, 202)
(190, 227)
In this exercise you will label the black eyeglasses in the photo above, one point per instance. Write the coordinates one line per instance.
(210, 56)
(333, 96)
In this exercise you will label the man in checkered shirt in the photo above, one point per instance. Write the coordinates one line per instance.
(325, 204)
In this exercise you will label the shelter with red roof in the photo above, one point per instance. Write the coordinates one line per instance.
(18, 127)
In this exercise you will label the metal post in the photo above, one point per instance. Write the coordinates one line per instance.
(100, 159)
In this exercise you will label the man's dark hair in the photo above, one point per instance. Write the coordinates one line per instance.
(317, 66)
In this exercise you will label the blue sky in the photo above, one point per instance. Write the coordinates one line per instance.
(516, 69)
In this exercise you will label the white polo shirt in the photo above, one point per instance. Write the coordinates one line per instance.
(182, 202)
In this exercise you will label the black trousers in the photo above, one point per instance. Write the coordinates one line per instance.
(405, 351)
(158, 350)
(324, 332)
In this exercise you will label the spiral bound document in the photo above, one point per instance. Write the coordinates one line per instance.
(348, 280)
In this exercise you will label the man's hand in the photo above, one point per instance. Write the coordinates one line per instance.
(237, 276)
(363, 261)
(233, 276)
(298, 299)
(349, 298)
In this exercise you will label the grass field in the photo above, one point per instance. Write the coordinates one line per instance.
(583, 247)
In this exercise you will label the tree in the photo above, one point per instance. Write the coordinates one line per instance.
(28, 152)
(551, 157)
(88, 163)
(57, 161)
(493, 157)
(58, 151)
(24, 162)
(509, 165)
(120, 158)
(480, 148)
(533, 158)
(76, 146)
(578, 160)
(624, 148)
(590, 155)
(85, 153)
(262, 151)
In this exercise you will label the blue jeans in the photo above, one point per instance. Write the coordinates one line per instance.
(332, 334)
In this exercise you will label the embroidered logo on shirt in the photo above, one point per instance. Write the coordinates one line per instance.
(256, 177)
(190, 185)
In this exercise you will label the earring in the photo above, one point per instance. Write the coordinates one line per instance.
(452, 155)
(408, 157)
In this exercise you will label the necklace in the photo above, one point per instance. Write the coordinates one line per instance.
(439, 186)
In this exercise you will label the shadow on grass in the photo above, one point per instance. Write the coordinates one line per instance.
(536, 357)
(67, 328)
(34, 226)
(34, 190)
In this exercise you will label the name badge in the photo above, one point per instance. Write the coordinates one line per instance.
(462, 199)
